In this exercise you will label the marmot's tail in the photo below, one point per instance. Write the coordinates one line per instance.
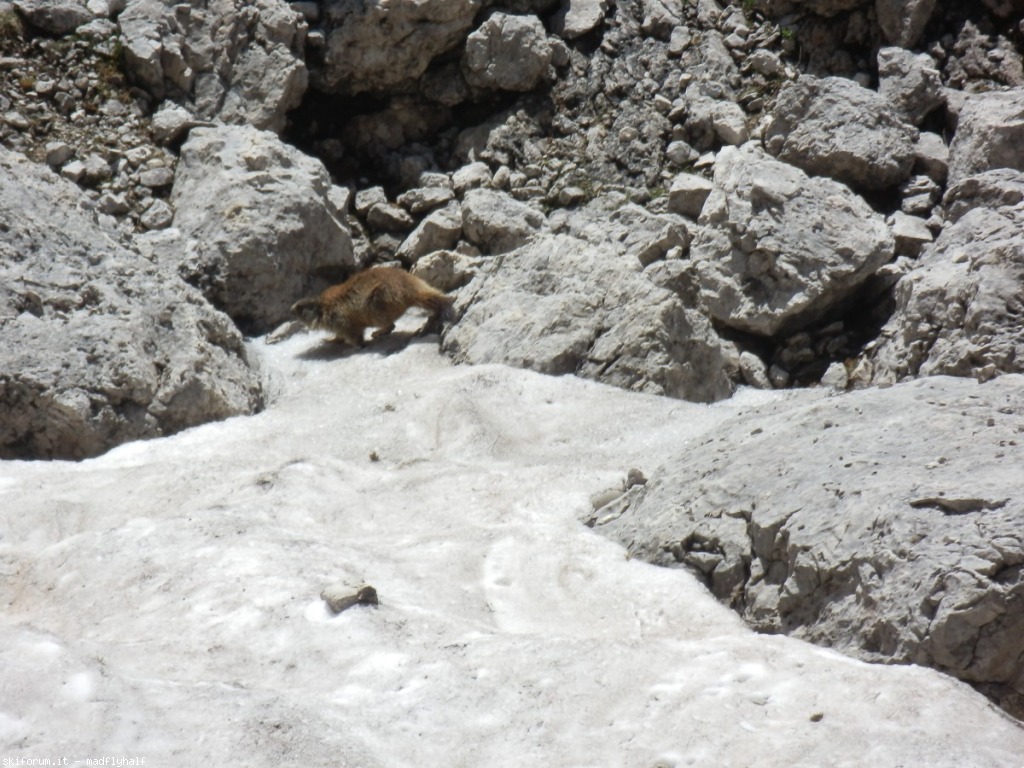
(439, 304)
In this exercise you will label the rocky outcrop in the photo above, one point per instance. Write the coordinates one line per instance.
(561, 305)
(859, 522)
(833, 127)
(262, 223)
(989, 134)
(101, 344)
(380, 47)
(240, 62)
(959, 311)
(508, 53)
(776, 248)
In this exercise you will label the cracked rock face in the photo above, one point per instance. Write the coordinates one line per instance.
(561, 305)
(884, 522)
(102, 345)
(777, 248)
(261, 222)
(833, 127)
(960, 311)
(241, 62)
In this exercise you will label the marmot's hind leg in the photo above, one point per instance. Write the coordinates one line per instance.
(382, 331)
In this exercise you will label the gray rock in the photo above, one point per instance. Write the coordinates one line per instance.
(855, 522)
(101, 344)
(446, 270)
(776, 249)
(903, 21)
(471, 176)
(58, 153)
(170, 123)
(387, 217)
(379, 47)
(754, 371)
(440, 231)
(660, 17)
(260, 223)
(157, 178)
(910, 82)
(989, 134)
(424, 199)
(158, 215)
(241, 65)
(365, 199)
(958, 312)
(931, 157)
(509, 53)
(54, 17)
(834, 127)
(578, 17)
(910, 234)
(496, 222)
(561, 305)
(687, 194)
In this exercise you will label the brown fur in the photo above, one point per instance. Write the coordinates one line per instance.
(375, 298)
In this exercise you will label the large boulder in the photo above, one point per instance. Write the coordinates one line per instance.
(55, 17)
(833, 127)
(263, 224)
(496, 222)
(777, 249)
(911, 82)
(959, 310)
(101, 345)
(561, 305)
(380, 47)
(857, 523)
(508, 53)
(241, 62)
(989, 134)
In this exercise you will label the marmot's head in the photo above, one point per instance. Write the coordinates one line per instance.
(308, 311)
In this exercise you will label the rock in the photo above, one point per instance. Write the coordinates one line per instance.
(470, 177)
(776, 249)
(660, 17)
(729, 122)
(170, 123)
(446, 270)
(910, 234)
(239, 64)
(158, 215)
(903, 21)
(496, 222)
(688, 193)
(367, 198)
(833, 127)
(578, 17)
(561, 305)
(381, 47)
(920, 194)
(989, 134)
(508, 53)
(628, 228)
(260, 223)
(754, 371)
(911, 83)
(102, 345)
(58, 153)
(386, 217)
(157, 178)
(440, 231)
(931, 157)
(864, 528)
(958, 312)
(424, 199)
(54, 17)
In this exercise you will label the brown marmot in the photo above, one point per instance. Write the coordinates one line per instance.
(375, 298)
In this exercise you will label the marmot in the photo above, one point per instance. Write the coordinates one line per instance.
(375, 298)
